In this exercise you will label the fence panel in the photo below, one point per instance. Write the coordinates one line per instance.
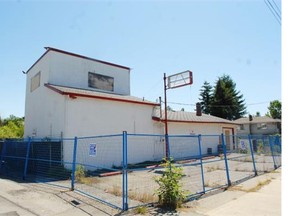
(215, 175)
(98, 172)
(185, 150)
(262, 153)
(47, 163)
(13, 158)
(240, 160)
(120, 170)
(275, 142)
(145, 154)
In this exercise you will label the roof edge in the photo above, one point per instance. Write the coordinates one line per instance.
(75, 95)
(76, 55)
(86, 57)
(182, 121)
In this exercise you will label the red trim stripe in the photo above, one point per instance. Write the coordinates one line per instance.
(75, 95)
(181, 121)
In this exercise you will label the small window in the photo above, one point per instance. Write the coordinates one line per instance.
(241, 127)
(261, 126)
(35, 81)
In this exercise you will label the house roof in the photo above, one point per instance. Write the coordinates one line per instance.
(255, 120)
(76, 92)
(189, 117)
(48, 49)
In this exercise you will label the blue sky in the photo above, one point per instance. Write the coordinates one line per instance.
(211, 38)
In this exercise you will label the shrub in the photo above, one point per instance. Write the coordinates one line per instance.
(170, 191)
(80, 173)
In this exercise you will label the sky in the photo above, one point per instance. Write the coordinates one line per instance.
(239, 38)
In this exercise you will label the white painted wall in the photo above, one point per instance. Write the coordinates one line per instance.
(67, 70)
(90, 117)
(43, 108)
(181, 147)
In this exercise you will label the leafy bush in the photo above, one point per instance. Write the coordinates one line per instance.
(170, 192)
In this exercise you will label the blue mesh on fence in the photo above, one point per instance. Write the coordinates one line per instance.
(13, 158)
(186, 151)
(98, 170)
(239, 157)
(215, 175)
(144, 155)
(120, 169)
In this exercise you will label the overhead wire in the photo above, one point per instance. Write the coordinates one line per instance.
(273, 11)
(276, 6)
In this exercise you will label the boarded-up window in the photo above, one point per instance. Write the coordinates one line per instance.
(35, 81)
(99, 81)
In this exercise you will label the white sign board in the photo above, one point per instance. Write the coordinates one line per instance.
(92, 150)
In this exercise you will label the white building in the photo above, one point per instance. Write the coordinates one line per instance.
(70, 95)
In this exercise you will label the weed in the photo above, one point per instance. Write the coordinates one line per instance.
(170, 191)
(141, 210)
(80, 173)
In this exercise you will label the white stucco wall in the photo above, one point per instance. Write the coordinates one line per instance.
(181, 147)
(43, 108)
(67, 70)
(87, 117)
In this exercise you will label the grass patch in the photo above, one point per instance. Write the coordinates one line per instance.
(259, 185)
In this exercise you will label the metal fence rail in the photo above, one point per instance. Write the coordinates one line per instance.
(120, 169)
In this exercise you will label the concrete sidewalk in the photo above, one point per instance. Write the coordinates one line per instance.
(257, 196)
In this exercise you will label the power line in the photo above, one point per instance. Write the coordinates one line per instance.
(220, 105)
(276, 6)
(273, 11)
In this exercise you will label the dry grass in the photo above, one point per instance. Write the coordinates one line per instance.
(212, 168)
(142, 197)
(88, 180)
(115, 190)
(259, 185)
(254, 189)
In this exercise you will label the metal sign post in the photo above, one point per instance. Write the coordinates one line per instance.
(171, 82)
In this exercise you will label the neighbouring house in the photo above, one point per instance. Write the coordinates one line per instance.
(262, 125)
(70, 95)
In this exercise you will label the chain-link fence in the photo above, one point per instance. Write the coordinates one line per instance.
(120, 170)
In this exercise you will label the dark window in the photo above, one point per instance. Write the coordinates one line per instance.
(99, 81)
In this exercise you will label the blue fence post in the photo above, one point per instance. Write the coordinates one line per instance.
(124, 173)
(272, 151)
(225, 157)
(200, 155)
(74, 164)
(252, 154)
(27, 158)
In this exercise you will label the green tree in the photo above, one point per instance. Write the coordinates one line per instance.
(12, 127)
(275, 109)
(227, 103)
(206, 97)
